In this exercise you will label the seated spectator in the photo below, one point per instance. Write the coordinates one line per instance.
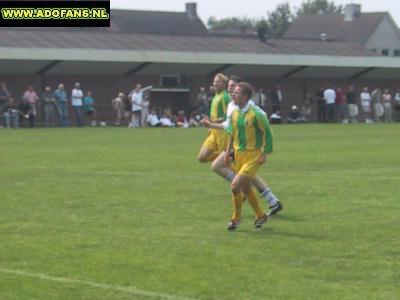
(88, 108)
(166, 121)
(181, 120)
(294, 116)
(25, 112)
(152, 119)
(10, 113)
(276, 118)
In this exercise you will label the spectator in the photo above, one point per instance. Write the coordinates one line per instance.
(137, 98)
(376, 101)
(32, 98)
(294, 116)
(181, 120)
(61, 100)
(25, 112)
(48, 105)
(4, 95)
(152, 119)
(276, 118)
(127, 109)
(145, 110)
(366, 105)
(118, 105)
(88, 108)
(166, 121)
(351, 97)
(397, 105)
(260, 99)
(387, 105)
(321, 105)
(306, 108)
(10, 113)
(277, 98)
(77, 96)
(341, 105)
(330, 99)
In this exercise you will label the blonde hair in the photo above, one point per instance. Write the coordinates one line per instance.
(222, 77)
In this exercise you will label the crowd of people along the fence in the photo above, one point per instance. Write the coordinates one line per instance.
(135, 109)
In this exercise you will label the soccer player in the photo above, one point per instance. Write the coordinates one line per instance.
(219, 166)
(217, 140)
(251, 139)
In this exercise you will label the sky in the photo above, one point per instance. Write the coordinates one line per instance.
(251, 9)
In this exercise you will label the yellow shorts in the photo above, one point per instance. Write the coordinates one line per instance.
(246, 162)
(216, 141)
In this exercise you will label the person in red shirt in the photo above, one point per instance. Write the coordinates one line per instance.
(341, 105)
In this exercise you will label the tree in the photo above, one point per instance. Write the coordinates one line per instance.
(279, 20)
(312, 7)
(234, 24)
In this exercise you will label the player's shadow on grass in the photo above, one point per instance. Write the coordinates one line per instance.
(269, 232)
(283, 217)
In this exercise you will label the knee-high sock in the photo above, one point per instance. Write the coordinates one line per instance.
(237, 201)
(253, 201)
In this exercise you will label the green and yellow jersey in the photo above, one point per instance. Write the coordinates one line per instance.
(218, 106)
(250, 129)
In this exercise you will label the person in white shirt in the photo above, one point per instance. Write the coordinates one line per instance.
(76, 98)
(330, 97)
(219, 166)
(152, 119)
(365, 97)
(137, 98)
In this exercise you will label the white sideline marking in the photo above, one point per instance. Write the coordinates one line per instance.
(127, 290)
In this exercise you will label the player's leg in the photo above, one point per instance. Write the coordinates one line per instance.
(237, 201)
(218, 166)
(274, 204)
(208, 151)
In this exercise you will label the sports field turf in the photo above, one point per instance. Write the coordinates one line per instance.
(113, 213)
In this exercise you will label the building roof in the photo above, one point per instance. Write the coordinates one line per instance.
(13, 38)
(156, 22)
(336, 28)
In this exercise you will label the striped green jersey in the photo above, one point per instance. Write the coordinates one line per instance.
(218, 105)
(250, 129)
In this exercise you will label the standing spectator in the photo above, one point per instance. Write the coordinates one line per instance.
(306, 108)
(61, 100)
(48, 105)
(330, 98)
(260, 99)
(397, 105)
(88, 108)
(32, 98)
(277, 98)
(25, 112)
(387, 105)
(136, 97)
(145, 110)
(366, 105)
(341, 105)
(117, 105)
(376, 101)
(4, 94)
(127, 109)
(351, 98)
(321, 105)
(10, 113)
(77, 96)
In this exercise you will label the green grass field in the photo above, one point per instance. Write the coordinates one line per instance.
(113, 213)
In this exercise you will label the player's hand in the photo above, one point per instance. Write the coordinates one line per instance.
(205, 122)
(262, 159)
